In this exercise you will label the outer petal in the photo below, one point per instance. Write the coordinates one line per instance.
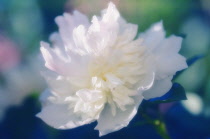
(44, 97)
(53, 60)
(111, 14)
(76, 65)
(61, 117)
(67, 23)
(64, 86)
(56, 40)
(104, 30)
(108, 123)
(81, 46)
(127, 32)
(49, 97)
(159, 88)
(58, 46)
(58, 84)
(171, 44)
(169, 66)
(167, 59)
(153, 36)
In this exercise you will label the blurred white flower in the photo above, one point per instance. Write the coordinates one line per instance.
(24, 80)
(194, 104)
(20, 82)
(99, 71)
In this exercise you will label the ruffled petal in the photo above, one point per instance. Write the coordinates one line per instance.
(169, 66)
(104, 30)
(59, 84)
(171, 44)
(71, 20)
(108, 123)
(67, 23)
(80, 41)
(167, 59)
(53, 60)
(44, 97)
(127, 32)
(74, 66)
(61, 117)
(56, 40)
(89, 96)
(153, 36)
(111, 14)
(159, 88)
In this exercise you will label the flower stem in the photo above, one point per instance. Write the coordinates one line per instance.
(161, 129)
(158, 124)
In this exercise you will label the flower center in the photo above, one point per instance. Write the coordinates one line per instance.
(115, 72)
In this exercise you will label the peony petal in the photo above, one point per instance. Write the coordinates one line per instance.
(56, 40)
(113, 79)
(71, 21)
(81, 46)
(159, 88)
(80, 19)
(44, 97)
(153, 36)
(53, 60)
(111, 14)
(89, 95)
(127, 32)
(67, 23)
(169, 66)
(148, 81)
(108, 123)
(59, 84)
(49, 97)
(171, 44)
(104, 30)
(167, 59)
(65, 86)
(48, 55)
(76, 66)
(61, 117)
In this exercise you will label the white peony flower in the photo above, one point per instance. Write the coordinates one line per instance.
(99, 72)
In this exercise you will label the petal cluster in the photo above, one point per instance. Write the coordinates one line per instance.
(100, 71)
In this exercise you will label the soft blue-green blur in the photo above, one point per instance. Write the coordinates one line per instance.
(24, 23)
